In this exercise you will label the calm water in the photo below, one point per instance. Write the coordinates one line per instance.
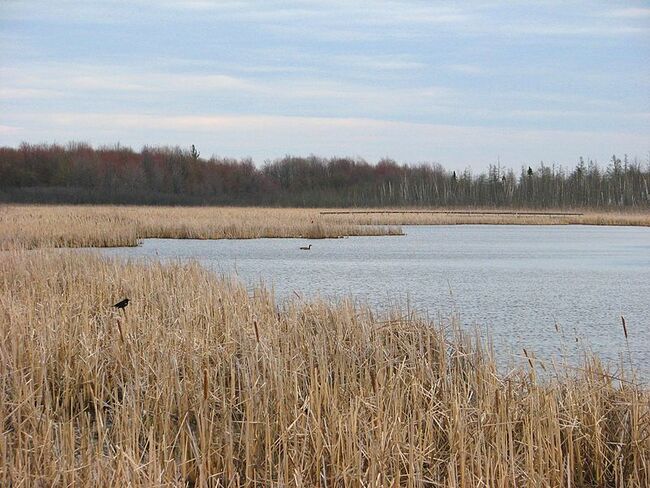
(518, 282)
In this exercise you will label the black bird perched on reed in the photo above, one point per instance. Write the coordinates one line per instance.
(122, 304)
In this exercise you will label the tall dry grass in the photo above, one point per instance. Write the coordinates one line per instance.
(35, 226)
(586, 217)
(202, 384)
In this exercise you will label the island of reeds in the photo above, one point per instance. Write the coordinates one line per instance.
(39, 226)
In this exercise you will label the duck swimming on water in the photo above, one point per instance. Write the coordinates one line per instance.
(307, 248)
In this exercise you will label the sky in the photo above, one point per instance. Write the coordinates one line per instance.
(464, 84)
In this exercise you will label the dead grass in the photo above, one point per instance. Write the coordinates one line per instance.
(588, 217)
(34, 226)
(200, 384)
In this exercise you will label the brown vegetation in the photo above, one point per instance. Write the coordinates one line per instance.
(581, 217)
(34, 226)
(200, 383)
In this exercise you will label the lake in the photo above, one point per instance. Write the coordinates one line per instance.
(517, 282)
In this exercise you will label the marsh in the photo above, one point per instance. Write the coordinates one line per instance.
(555, 290)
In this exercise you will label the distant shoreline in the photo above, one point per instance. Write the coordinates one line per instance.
(157, 175)
(45, 226)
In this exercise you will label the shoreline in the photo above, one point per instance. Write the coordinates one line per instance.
(54, 226)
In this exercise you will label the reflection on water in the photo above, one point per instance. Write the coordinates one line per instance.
(519, 282)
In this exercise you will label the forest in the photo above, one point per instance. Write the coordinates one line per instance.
(79, 173)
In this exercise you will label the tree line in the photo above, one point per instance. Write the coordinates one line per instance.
(79, 173)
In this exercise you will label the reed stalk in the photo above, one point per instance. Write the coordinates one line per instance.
(213, 386)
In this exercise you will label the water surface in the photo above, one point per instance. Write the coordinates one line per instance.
(521, 283)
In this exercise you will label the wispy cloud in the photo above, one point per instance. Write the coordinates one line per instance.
(75, 80)
(370, 138)
(30, 93)
(377, 12)
(574, 30)
(379, 62)
(388, 77)
(468, 69)
(9, 130)
(310, 96)
(630, 13)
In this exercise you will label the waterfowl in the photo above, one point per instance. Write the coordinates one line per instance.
(306, 248)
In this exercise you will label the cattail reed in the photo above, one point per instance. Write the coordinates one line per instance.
(205, 384)
(257, 332)
(338, 396)
(35, 226)
(119, 328)
(530, 361)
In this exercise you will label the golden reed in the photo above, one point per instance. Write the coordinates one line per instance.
(210, 385)
(34, 226)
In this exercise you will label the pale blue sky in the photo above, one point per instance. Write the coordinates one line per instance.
(460, 83)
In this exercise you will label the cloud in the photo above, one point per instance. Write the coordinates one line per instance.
(468, 69)
(343, 20)
(379, 62)
(275, 136)
(378, 12)
(18, 93)
(574, 30)
(629, 13)
(87, 81)
(97, 87)
(313, 66)
(75, 78)
(7, 129)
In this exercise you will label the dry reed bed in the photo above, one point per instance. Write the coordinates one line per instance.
(34, 226)
(588, 217)
(200, 383)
